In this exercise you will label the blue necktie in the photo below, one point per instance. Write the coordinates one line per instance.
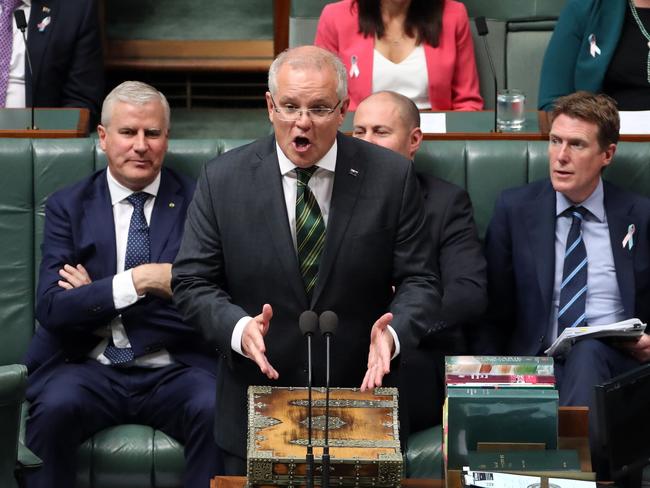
(137, 253)
(573, 290)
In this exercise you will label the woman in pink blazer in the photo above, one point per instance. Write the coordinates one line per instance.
(393, 29)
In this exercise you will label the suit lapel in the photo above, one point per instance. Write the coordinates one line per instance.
(38, 41)
(98, 208)
(539, 221)
(267, 184)
(620, 216)
(348, 179)
(166, 211)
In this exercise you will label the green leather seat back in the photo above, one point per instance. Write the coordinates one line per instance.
(13, 380)
(57, 163)
(526, 44)
(16, 238)
(303, 21)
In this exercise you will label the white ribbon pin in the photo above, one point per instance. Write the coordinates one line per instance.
(354, 68)
(44, 23)
(629, 240)
(594, 50)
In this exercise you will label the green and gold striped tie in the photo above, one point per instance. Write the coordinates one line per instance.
(310, 229)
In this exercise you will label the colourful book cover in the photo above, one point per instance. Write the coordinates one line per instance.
(499, 365)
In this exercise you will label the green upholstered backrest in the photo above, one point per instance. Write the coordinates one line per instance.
(16, 250)
(485, 168)
(33, 169)
(513, 9)
(303, 20)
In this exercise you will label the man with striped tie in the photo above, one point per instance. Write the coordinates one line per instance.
(306, 219)
(112, 348)
(571, 251)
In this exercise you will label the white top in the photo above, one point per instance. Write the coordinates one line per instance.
(409, 78)
(16, 86)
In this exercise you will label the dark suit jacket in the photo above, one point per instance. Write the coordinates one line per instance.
(66, 56)
(237, 254)
(458, 250)
(520, 249)
(79, 229)
(459, 256)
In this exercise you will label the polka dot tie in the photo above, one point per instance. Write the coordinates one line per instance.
(137, 245)
(6, 44)
(137, 253)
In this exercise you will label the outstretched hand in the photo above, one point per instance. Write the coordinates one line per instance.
(381, 351)
(252, 341)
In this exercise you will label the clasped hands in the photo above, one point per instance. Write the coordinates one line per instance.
(154, 278)
(379, 356)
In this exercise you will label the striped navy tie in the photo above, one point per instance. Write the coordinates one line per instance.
(573, 290)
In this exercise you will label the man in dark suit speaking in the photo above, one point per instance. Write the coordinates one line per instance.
(112, 348)
(392, 120)
(571, 251)
(305, 219)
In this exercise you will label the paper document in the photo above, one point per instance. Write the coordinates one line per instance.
(433, 123)
(491, 479)
(635, 122)
(627, 329)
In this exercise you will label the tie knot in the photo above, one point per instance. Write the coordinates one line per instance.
(578, 212)
(138, 199)
(304, 174)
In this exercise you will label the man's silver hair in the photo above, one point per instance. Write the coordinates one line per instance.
(310, 57)
(133, 93)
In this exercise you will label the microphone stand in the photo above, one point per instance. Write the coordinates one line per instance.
(325, 479)
(310, 448)
(21, 23)
(308, 322)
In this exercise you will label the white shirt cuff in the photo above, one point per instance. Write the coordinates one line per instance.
(396, 340)
(238, 331)
(124, 293)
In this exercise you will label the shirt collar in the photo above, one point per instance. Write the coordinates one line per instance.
(119, 192)
(327, 162)
(595, 203)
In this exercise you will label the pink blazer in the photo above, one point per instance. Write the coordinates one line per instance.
(451, 67)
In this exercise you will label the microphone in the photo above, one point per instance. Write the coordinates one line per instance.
(21, 23)
(328, 322)
(482, 30)
(308, 323)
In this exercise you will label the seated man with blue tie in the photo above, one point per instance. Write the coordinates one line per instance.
(571, 251)
(112, 348)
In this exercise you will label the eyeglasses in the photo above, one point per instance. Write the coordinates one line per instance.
(291, 113)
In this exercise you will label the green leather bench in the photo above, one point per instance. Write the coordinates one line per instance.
(136, 455)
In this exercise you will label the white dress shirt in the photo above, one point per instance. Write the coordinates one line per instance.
(124, 293)
(321, 184)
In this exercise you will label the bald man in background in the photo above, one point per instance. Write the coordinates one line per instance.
(392, 120)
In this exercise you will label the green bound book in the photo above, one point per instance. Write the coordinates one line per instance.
(498, 415)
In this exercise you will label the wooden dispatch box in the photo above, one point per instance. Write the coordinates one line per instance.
(363, 436)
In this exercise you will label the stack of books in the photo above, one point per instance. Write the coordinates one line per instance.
(501, 414)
